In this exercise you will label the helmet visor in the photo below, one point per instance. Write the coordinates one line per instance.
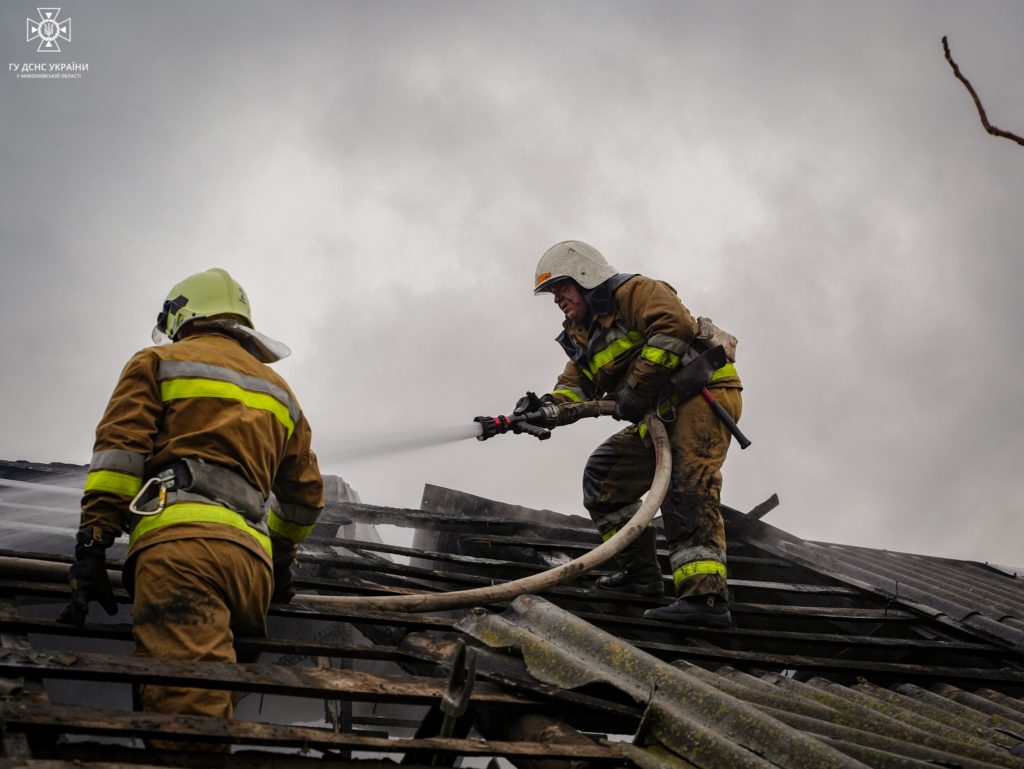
(158, 336)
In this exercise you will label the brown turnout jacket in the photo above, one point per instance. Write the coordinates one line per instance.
(203, 397)
(638, 332)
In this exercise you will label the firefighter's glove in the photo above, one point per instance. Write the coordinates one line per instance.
(529, 402)
(88, 577)
(630, 405)
(284, 557)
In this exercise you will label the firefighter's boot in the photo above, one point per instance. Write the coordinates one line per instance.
(704, 610)
(639, 571)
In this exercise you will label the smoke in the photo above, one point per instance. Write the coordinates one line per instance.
(40, 517)
(29, 487)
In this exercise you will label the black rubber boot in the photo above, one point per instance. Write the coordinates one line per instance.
(640, 573)
(705, 610)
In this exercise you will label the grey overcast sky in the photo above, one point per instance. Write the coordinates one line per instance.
(383, 176)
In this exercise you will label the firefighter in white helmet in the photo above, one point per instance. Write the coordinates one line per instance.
(197, 437)
(625, 335)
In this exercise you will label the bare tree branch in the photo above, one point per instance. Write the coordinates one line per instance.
(977, 102)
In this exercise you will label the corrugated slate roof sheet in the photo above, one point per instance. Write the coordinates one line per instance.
(727, 718)
(977, 597)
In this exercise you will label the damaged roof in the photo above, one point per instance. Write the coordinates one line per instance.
(975, 597)
(838, 656)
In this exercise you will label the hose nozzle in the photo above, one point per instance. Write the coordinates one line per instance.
(521, 423)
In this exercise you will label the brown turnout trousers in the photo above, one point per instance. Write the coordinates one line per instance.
(621, 469)
(192, 598)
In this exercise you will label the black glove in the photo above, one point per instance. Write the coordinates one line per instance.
(529, 402)
(630, 405)
(88, 577)
(284, 556)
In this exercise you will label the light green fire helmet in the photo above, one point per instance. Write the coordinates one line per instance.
(214, 300)
(572, 259)
(203, 295)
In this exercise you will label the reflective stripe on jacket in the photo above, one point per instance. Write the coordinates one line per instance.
(637, 340)
(203, 397)
(192, 513)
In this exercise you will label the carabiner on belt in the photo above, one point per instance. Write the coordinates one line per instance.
(166, 483)
(665, 408)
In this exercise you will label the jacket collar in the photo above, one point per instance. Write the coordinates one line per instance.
(260, 346)
(601, 301)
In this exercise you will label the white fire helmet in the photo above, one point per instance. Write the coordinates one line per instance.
(572, 259)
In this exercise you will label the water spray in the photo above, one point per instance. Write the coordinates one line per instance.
(537, 422)
(504, 591)
(536, 419)
(393, 443)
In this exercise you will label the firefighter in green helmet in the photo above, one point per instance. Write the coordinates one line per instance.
(625, 335)
(203, 458)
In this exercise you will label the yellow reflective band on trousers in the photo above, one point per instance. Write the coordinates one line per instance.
(698, 567)
(293, 532)
(570, 394)
(195, 512)
(114, 482)
(661, 357)
(620, 346)
(728, 370)
(608, 535)
(664, 408)
(176, 389)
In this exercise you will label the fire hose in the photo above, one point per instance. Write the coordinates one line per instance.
(505, 591)
(534, 583)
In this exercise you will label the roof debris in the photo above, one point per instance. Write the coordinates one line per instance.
(838, 656)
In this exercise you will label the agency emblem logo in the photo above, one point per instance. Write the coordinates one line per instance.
(48, 29)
